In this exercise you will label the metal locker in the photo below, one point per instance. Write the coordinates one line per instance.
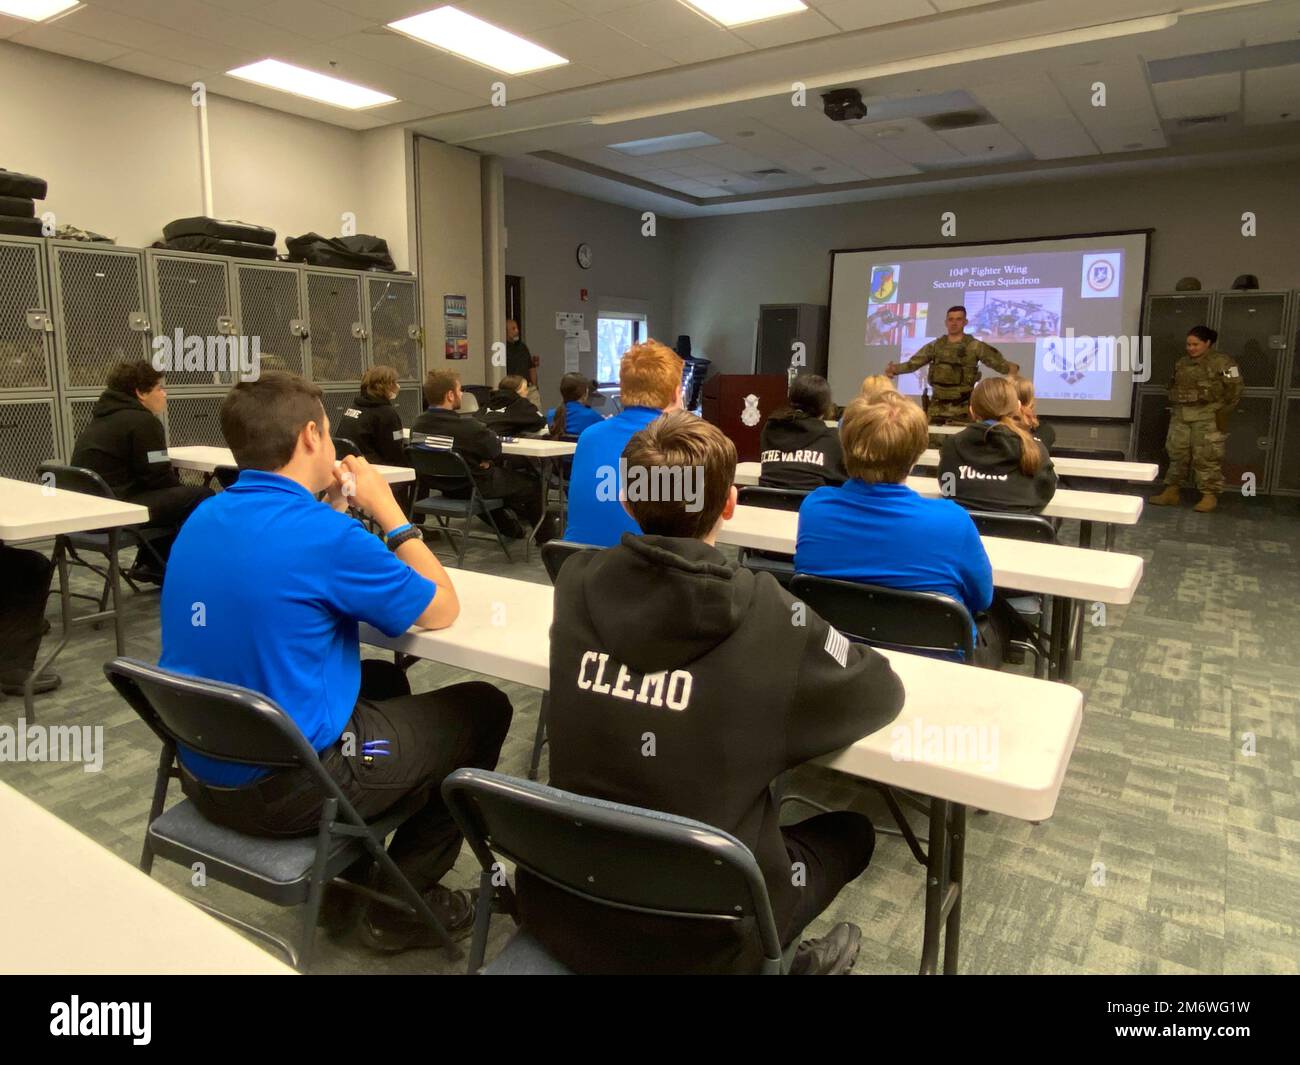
(26, 325)
(337, 325)
(1252, 329)
(100, 310)
(190, 297)
(77, 412)
(335, 402)
(27, 436)
(394, 324)
(410, 403)
(193, 419)
(1286, 477)
(269, 300)
(1168, 320)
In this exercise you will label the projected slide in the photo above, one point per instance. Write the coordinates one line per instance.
(1066, 310)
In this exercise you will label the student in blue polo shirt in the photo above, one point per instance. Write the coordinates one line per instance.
(266, 590)
(573, 415)
(877, 530)
(650, 382)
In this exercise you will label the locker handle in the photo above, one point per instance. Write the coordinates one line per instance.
(138, 322)
(359, 330)
(298, 328)
(40, 319)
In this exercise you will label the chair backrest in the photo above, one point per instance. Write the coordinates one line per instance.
(442, 468)
(613, 855)
(890, 617)
(76, 479)
(344, 447)
(479, 392)
(469, 403)
(556, 552)
(752, 495)
(1032, 527)
(222, 721)
(226, 475)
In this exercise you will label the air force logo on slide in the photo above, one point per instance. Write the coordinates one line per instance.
(1101, 275)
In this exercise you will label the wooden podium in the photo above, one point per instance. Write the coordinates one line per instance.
(739, 404)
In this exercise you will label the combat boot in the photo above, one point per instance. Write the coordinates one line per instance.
(1209, 501)
(1170, 497)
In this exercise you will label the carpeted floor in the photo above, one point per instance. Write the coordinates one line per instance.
(1171, 849)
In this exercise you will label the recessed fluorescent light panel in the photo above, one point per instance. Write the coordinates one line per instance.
(478, 41)
(36, 10)
(673, 143)
(308, 83)
(743, 12)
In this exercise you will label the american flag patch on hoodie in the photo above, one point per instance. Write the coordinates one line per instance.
(837, 646)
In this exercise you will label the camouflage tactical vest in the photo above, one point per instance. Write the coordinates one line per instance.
(1200, 381)
(955, 366)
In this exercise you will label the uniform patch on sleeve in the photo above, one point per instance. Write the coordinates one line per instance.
(157, 456)
(837, 646)
(1231, 371)
(397, 434)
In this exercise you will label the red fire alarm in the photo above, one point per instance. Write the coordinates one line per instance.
(582, 294)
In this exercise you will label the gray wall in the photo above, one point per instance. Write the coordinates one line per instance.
(543, 230)
(727, 266)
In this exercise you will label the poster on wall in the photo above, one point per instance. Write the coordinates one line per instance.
(455, 327)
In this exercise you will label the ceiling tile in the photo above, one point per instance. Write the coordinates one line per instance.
(569, 76)
(154, 66)
(861, 14)
(988, 143)
(789, 29)
(1273, 95)
(1034, 111)
(601, 47)
(701, 47)
(517, 17)
(311, 18)
(106, 25)
(51, 38)
(657, 20)
(1219, 94)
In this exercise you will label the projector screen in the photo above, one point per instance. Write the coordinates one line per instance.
(1067, 309)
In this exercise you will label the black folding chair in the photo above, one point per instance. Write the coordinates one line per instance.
(624, 858)
(343, 447)
(554, 554)
(929, 623)
(237, 725)
(226, 476)
(1033, 609)
(445, 470)
(789, 499)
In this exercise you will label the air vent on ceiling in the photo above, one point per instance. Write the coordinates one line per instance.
(771, 171)
(1200, 121)
(958, 120)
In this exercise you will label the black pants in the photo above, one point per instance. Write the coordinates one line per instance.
(521, 489)
(24, 584)
(428, 737)
(168, 508)
(835, 849)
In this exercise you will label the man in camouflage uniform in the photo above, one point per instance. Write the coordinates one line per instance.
(1205, 390)
(954, 368)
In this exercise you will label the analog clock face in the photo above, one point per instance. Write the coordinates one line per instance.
(584, 256)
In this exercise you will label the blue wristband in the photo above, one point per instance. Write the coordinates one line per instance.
(400, 529)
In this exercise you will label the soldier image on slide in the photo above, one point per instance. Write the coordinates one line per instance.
(954, 368)
(1205, 390)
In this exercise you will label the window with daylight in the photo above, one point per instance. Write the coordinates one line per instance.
(615, 333)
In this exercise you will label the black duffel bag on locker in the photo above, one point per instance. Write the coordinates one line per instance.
(219, 229)
(238, 249)
(20, 227)
(15, 184)
(361, 252)
(17, 207)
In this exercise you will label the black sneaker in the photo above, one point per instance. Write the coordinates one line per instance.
(389, 931)
(832, 955)
(12, 680)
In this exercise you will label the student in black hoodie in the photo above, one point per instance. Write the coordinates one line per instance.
(798, 449)
(996, 464)
(508, 410)
(126, 445)
(481, 448)
(373, 422)
(736, 681)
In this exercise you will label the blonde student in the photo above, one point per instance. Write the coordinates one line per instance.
(1029, 415)
(996, 464)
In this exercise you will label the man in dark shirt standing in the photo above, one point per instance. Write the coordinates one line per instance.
(520, 362)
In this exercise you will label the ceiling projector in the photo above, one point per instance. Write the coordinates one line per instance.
(843, 105)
